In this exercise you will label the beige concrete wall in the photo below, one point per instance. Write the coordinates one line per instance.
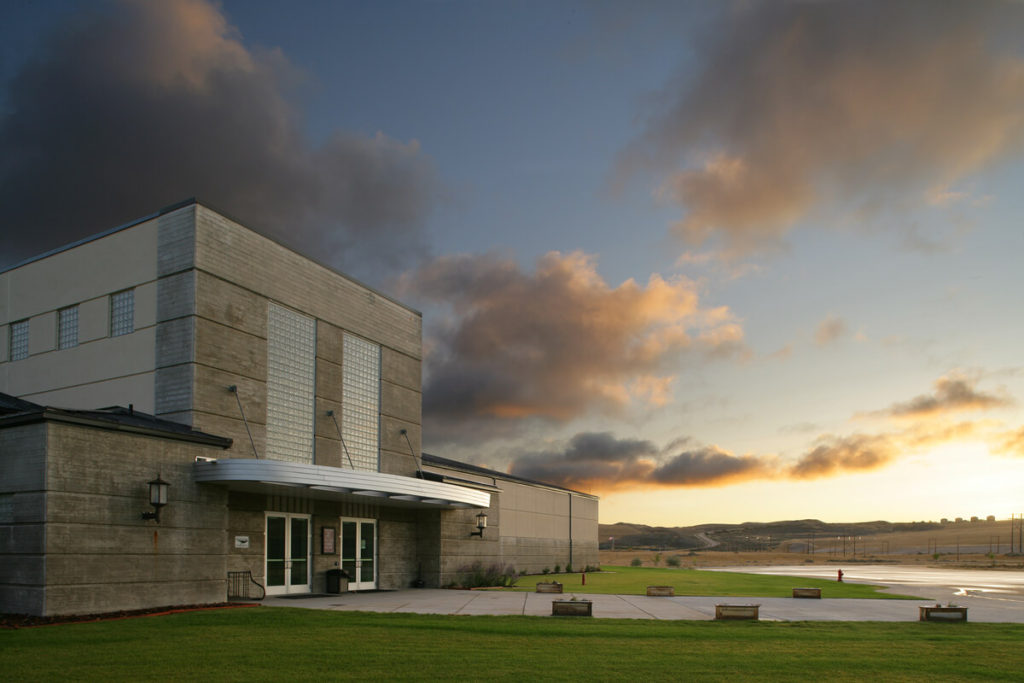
(230, 251)
(238, 273)
(121, 260)
(101, 370)
(528, 529)
(22, 519)
(405, 545)
(95, 374)
(401, 403)
(202, 287)
(397, 549)
(101, 555)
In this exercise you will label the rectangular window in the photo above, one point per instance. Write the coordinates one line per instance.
(291, 377)
(19, 340)
(122, 313)
(360, 406)
(67, 327)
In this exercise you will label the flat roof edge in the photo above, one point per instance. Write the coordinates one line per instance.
(58, 415)
(439, 461)
(84, 240)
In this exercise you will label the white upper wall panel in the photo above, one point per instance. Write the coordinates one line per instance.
(120, 260)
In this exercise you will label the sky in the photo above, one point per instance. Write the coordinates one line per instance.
(713, 262)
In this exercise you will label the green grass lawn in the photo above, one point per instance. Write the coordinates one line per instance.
(275, 643)
(635, 580)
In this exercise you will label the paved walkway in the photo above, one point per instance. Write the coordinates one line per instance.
(439, 601)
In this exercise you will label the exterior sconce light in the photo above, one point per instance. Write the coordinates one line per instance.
(481, 524)
(157, 498)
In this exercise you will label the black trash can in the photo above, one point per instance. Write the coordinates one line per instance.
(334, 580)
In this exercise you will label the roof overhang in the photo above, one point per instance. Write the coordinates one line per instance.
(334, 483)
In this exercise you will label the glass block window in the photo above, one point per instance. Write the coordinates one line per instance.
(360, 407)
(122, 313)
(67, 327)
(19, 340)
(291, 377)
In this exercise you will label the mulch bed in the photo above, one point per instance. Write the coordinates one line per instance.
(11, 621)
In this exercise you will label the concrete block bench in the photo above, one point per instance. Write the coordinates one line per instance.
(661, 591)
(549, 587)
(737, 612)
(572, 608)
(807, 593)
(939, 613)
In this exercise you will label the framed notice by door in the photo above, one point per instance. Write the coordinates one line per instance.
(328, 540)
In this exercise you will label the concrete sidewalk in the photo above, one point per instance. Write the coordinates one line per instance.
(440, 601)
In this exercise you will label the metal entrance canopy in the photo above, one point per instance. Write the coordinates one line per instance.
(336, 483)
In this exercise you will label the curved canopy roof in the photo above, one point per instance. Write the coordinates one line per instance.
(336, 483)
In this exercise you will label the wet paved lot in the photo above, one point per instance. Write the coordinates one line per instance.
(996, 596)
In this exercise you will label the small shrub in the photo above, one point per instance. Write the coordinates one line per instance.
(568, 569)
(673, 561)
(558, 569)
(477, 575)
(657, 559)
(636, 562)
(546, 570)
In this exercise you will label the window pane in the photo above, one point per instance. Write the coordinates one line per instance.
(299, 552)
(275, 551)
(360, 423)
(19, 340)
(291, 376)
(122, 313)
(366, 552)
(348, 549)
(67, 327)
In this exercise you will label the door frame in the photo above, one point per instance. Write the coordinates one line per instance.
(354, 584)
(288, 588)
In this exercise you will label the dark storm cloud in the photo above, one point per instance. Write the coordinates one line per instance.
(792, 106)
(602, 462)
(136, 105)
(590, 459)
(710, 466)
(557, 343)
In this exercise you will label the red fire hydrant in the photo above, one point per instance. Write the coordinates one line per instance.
(840, 579)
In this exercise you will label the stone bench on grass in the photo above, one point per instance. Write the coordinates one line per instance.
(661, 591)
(807, 593)
(549, 587)
(572, 608)
(737, 612)
(939, 613)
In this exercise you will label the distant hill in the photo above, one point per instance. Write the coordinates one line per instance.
(745, 536)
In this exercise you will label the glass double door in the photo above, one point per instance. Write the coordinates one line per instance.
(288, 545)
(358, 552)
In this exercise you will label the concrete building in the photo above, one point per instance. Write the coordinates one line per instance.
(280, 399)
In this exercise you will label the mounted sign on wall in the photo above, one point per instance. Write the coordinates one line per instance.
(242, 542)
(327, 540)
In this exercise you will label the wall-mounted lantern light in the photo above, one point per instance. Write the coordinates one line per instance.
(481, 524)
(157, 498)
